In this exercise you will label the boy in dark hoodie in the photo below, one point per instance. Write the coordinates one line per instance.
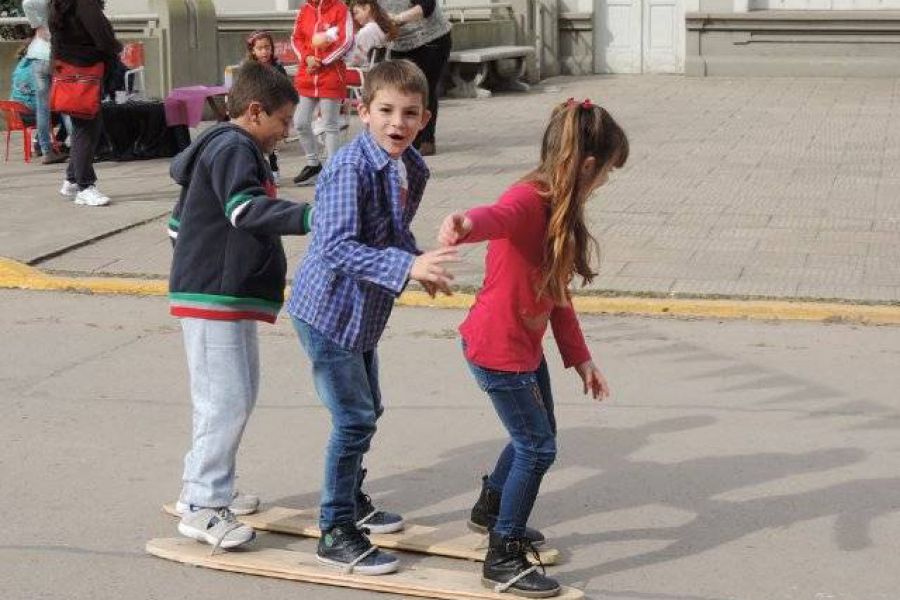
(228, 272)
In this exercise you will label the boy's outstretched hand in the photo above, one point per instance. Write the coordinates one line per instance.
(454, 229)
(428, 270)
(593, 380)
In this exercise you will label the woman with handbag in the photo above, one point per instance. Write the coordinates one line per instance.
(83, 46)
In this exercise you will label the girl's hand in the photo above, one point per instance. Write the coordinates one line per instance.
(454, 229)
(593, 380)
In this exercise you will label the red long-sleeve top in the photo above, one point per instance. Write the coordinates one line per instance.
(505, 326)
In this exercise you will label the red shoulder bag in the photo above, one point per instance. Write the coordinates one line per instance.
(76, 90)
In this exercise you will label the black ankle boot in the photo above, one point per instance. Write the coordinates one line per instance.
(487, 508)
(506, 561)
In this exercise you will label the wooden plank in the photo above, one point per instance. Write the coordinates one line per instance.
(411, 580)
(440, 541)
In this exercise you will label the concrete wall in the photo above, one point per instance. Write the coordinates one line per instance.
(576, 43)
(795, 44)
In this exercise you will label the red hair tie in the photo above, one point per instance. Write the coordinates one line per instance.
(586, 103)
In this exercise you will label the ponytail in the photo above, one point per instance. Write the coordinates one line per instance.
(577, 131)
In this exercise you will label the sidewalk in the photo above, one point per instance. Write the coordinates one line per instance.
(782, 188)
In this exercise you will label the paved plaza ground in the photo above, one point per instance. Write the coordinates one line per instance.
(748, 187)
(735, 461)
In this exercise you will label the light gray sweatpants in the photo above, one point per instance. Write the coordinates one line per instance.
(305, 114)
(223, 362)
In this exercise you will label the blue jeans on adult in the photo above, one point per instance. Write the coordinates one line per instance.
(40, 70)
(524, 403)
(347, 384)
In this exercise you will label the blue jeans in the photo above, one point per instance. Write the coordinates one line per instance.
(524, 403)
(223, 361)
(347, 384)
(40, 70)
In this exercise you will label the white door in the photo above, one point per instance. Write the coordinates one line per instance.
(663, 28)
(617, 36)
(639, 36)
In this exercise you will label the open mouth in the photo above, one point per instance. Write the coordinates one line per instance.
(396, 137)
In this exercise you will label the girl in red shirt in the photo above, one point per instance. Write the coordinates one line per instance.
(323, 34)
(538, 243)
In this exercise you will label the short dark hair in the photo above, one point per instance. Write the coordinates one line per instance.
(401, 75)
(255, 82)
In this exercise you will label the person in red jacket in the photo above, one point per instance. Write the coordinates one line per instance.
(323, 34)
(538, 243)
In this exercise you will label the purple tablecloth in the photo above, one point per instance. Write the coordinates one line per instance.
(184, 106)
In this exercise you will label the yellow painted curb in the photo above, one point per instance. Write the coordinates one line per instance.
(14, 274)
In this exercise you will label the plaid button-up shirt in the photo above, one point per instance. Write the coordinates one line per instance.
(362, 248)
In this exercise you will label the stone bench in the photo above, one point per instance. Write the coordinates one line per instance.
(504, 64)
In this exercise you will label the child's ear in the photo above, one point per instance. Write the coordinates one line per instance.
(255, 111)
(589, 167)
(363, 111)
(426, 116)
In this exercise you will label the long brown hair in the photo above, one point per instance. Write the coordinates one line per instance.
(577, 131)
(380, 17)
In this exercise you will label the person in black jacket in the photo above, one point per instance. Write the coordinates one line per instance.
(228, 273)
(82, 35)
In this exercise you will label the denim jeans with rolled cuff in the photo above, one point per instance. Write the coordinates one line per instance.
(524, 403)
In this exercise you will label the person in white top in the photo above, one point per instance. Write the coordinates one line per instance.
(39, 53)
(376, 30)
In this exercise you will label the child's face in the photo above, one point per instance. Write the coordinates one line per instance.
(262, 50)
(362, 13)
(267, 129)
(394, 119)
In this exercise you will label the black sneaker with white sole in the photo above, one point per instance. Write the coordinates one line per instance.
(346, 547)
(369, 517)
(376, 521)
(307, 176)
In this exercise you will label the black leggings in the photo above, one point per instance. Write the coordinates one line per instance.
(432, 59)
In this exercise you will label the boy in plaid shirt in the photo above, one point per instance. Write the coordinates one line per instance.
(361, 257)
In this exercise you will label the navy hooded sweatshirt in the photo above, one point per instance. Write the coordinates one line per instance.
(229, 263)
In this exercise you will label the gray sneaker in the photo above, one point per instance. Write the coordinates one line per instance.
(241, 504)
(216, 527)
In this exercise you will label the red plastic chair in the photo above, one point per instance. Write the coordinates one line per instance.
(132, 56)
(12, 114)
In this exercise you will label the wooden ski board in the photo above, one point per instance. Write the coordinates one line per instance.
(410, 580)
(414, 538)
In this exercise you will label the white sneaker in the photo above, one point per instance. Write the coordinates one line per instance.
(91, 196)
(215, 526)
(69, 189)
(241, 504)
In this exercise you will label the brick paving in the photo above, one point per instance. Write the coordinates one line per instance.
(735, 187)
